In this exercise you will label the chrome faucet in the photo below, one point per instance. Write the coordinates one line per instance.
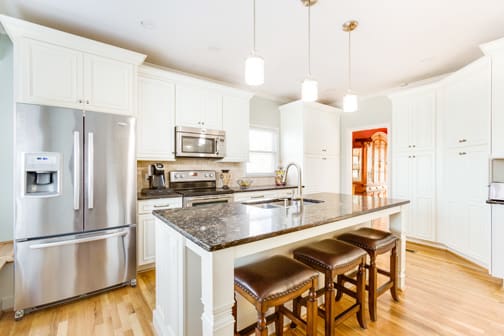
(300, 183)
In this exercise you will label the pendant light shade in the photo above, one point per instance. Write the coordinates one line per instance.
(254, 70)
(309, 90)
(350, 100)
(350, 103)
(254, 65)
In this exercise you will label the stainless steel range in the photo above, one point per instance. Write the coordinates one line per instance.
(199, 187)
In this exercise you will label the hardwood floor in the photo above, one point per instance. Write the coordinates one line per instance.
(445, 295)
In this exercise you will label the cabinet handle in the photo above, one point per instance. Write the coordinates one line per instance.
(80, 101)
(260, 196)
(462, 153)
(324, 150)
(324, 158)
(162, 206)
(462, 140)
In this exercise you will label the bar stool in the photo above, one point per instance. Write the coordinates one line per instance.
(332, 258)
(272, 283)
(375, 242)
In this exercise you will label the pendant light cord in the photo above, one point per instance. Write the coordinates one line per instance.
(309, 40)
(350, 61)
(254, 28)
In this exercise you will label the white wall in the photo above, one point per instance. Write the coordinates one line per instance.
(264, 112)
(373, 112)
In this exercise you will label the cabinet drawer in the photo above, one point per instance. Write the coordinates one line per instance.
(146, 207)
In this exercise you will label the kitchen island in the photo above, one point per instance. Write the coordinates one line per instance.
(198, 248)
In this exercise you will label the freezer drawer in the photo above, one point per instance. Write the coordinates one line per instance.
(49, 270)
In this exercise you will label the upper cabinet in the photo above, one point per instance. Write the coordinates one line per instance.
(465, 98)
(495, 50)
(59, 69)
(235, 119)
(156, 116)
(198, 107)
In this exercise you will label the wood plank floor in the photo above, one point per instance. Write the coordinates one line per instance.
(445, 296)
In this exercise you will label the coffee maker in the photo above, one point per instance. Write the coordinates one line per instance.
(157, 176)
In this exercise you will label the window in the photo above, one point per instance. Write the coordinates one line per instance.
(263, 151)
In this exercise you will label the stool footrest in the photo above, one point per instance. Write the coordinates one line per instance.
(346, 291)
(294, 319)
(250, 329)
(340, 318)
(385, 287)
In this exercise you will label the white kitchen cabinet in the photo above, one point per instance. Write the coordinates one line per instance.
(498, 105)
(310, 137)
(146, 228)
(264, 194)
(108, 85)
(59, 76)
(50, 75)
(465, 99)
(236, 124)
(413, 158)
(497, 268)
(156, 117)
(198, 107)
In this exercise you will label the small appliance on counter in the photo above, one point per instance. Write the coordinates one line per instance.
(225, 178)
(157, 182)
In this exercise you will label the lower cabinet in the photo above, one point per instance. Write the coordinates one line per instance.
(146, 248)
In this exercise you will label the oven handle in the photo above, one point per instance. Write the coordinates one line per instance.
(199, 198)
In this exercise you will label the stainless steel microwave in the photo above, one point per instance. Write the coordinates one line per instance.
(199, 142)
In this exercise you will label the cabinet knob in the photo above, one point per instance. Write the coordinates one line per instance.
(462, 140)
(409, 146)
(414, 156)
(324, 158)
(324, 150)
(80, 101)
(87, 102)
(414, 146)
(462, 153)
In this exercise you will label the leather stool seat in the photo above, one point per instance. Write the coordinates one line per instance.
(268, 279)
(369, 239)
(333, 257)
(272, 283)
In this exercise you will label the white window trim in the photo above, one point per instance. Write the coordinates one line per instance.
(276, 131)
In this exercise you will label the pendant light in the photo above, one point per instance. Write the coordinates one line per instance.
(254, 64)
(309, 88)
(350, 100)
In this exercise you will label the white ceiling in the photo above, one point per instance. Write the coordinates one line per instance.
(397, 41)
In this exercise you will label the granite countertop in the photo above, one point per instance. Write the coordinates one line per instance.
(264, 188)
(216, 227)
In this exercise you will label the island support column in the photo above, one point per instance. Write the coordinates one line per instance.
(398, 225)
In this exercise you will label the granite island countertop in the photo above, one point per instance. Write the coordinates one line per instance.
(216, 227)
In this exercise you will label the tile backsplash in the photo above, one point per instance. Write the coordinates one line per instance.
(237, 170)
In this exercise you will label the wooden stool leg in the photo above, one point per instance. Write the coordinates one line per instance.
(296, 309)
(341, 283)
(235, 315)
(393, 273)
(279, 319)
(312, 310)
(261, 327)
(373, 283)
(361, 289)
(330, 297)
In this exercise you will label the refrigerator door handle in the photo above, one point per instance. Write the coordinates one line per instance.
(79, 240)
(76, 170)
(90, 175)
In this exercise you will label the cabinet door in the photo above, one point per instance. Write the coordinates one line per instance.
(188, 106)
(313, 135)
(467, 104)
(313, 174)
(423, 181)
(235, 119)
(401, 124)
(146, 249)
(330, 177)
(108, 85)
(330, 127)
(498, 105)
(480, 233)
(212, 110)
(423, 125)
(401, 175)
(50, 75)
(155, 122)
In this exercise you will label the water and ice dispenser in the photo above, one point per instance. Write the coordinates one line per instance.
(42, 174)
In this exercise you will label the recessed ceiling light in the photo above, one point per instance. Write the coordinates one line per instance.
(148, 24)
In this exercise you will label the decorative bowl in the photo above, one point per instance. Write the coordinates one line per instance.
(244, 183)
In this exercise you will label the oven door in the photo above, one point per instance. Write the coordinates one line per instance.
(190, 202)
(199, 145)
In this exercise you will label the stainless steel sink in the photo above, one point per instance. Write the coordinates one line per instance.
(281, 203)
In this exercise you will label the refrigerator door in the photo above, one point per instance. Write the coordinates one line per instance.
(110, 171)
(49, 270)
(57, 132)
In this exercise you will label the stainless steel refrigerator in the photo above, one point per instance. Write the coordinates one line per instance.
(75, 199)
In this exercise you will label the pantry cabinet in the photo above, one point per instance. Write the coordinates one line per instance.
(414, 158)
(310, 137)
(156, 116)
